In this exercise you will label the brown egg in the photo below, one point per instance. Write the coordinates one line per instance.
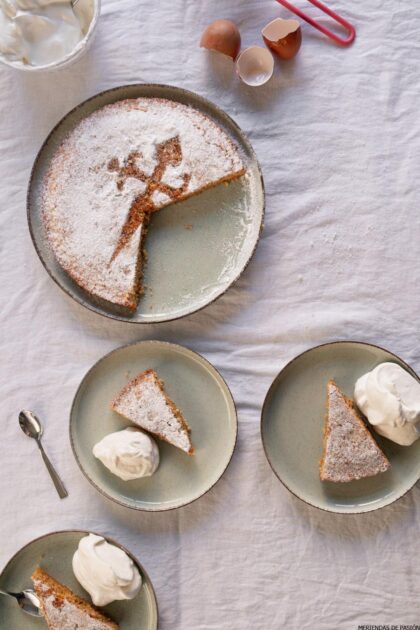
(283, 37)
(222, 36)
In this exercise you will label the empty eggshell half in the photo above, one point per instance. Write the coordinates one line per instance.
(283, 37)
(223, 36)
(255, 65)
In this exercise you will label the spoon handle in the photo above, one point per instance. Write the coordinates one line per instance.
(59, 486)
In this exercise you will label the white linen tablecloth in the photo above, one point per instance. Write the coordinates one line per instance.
(337, 132)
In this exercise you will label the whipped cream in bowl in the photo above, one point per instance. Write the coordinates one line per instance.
(129, 454)
(45, 34)
(105, 571)
(389, 397)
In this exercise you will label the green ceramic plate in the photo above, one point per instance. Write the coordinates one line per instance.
(54, 553)
(195, 254)
(196, 388)
(292, 430)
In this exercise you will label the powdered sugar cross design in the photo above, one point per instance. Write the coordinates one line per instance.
(168, 153)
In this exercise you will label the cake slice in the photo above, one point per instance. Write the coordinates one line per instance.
(63, 610)
(144, 402)
(350, 451)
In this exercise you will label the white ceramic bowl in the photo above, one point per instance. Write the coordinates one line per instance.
(78, 52)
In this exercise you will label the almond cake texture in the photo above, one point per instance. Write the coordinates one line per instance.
(144, 402)
(350, 451)
(63, 610)
(116, 167)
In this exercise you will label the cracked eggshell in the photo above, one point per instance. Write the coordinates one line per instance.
(255, 65)
(283, 37)
(223, 36)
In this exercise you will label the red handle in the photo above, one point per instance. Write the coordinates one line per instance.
(343, 41)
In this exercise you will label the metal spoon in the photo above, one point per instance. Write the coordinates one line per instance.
(30, 425)
(27, 600)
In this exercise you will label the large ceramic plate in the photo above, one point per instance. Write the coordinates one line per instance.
(195, 387)
(54, 553)
(187, 268)
(292, 430)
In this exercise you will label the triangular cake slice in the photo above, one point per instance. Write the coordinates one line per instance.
(144, 402)
(350, 451)
(117, 166)
(63, 610)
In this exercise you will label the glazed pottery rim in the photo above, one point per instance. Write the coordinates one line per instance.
(109, 539)
(146, 86)
(193, 354)
(266, 401)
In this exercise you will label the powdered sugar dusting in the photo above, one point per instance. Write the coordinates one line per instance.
(143, 403)
(64, 615)
(84, 205)
(350, 451)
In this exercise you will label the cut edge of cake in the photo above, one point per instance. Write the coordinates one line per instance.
(128, 300)
(336, 464)
(117, 405)
(131, 300)
(46, 586)
(226, 179)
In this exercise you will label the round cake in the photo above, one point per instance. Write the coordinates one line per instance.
(116, 167)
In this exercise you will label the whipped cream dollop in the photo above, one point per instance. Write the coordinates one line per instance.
(129, 454)
(41, 32)
(390, 399)
(105, 571)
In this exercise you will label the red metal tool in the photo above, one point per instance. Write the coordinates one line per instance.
(343, 41)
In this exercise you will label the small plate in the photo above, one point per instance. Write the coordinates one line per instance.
(292, 424)
(54, 552)
(195, 254)
(195, 387)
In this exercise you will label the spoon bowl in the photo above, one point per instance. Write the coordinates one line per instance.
(27, 600)
(30, 424)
